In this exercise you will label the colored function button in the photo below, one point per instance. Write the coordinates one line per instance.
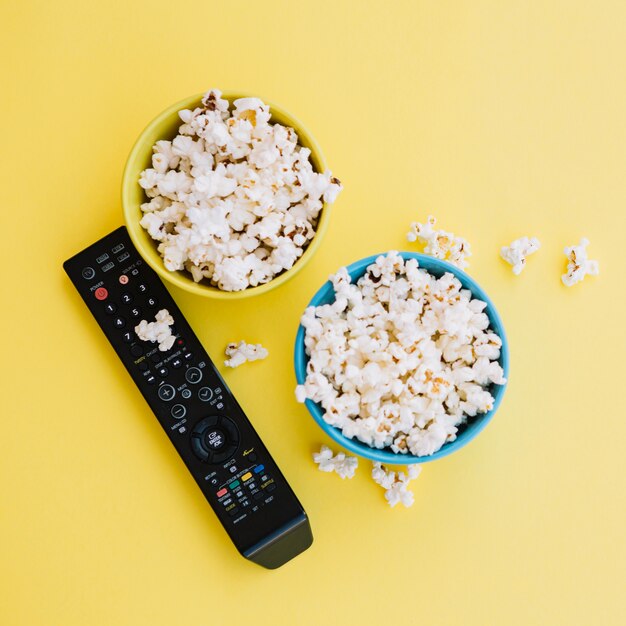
(234, 484)
(221, 492)
(246, 476)
(193, 375)
(124, 279)
(110, 308)
(258, 469)
(107, 267)
(88, 273)
(101, 293)
(178, 411)
(102, 258)
(205, 394)
(166, 392)
(119, 322)
(126, 298)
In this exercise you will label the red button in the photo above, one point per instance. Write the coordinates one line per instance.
(221, 492)
(101, 293)
(123, 279)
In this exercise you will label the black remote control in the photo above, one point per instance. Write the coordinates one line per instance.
(200, 415)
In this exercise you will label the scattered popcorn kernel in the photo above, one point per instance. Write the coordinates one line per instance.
(340, 463)
(158, 331)
(516, 253)
(439, 243)
(396, 483)
(401, 359)
(239, 353)
(578, 265)
(233, 199)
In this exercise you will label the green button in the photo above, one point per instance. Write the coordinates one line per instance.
(234, 484)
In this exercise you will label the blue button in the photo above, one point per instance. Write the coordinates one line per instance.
(258, 469)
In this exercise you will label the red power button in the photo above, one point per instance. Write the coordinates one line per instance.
(101, 293)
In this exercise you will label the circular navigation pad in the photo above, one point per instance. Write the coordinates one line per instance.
(214, 439)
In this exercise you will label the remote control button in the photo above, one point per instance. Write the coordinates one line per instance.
(258, 495)
(151, 380)
(126, 298)
(101, 293)
(270, 487)
(163, 372)
(151, 302)
(178, 411)
(110, 308)
(234, 484)
(233, 511)
(142, 287)
(246, 476)
(143, 366)
(119, 322)
(214, 439)
(188, 356)
(176, 363)
(117, 248)
(128, 337)
(157, 356)
(221, 492)
(258, 469)
(205, 394)
(124, 279)
(252, 457)
(180, 341)
(102, 258)
(186, 393)
(166, 392)
(135, 312)
(198, 449)
(193, 375)
(207, 422)
(136, 350)
(88, 273)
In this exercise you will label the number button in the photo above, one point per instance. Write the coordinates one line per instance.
(151, 302)
(126, 298)
(128, 337)
(142, 287)
(135, 312)
(119, 322)
(110, 308)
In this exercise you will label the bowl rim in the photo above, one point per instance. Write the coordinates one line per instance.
(178, 278)
(385, 455)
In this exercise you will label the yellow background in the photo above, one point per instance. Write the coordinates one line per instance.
(501, 118)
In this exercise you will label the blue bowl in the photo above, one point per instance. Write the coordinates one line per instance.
(467, 432)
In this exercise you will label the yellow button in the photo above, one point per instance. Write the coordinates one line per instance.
(246, 476)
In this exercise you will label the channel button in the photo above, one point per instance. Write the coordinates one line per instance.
(205, 394)
(193, 375)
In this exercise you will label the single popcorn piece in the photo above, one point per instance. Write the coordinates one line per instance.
(396, 483)
(340, 463)
(516, 253)
(158, 331)
(401, 359)
(239, 353)
(578, 265)
(233, 199)
(439, 243)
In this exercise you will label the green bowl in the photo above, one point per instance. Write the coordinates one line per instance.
(165, 126)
